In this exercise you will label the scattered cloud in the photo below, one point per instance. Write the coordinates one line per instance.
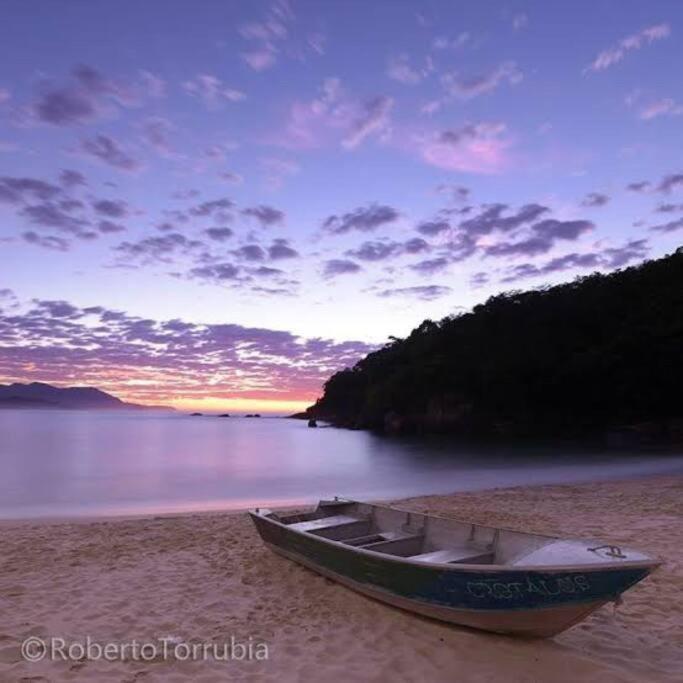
(335, 267)
(110, 152)
(277, 35)
(471, 148)
(384, 250)
(230, 177)
(152, 84)
(111, 208)
(666, 185)
(157, 249)
(669, 208)
(430, 266)
(416, 245)
(663, 107)
(266, 216)
(106, 226)
(653, 108)
(543, 236)
(362, 219)
(609, 258)
(156, 132)
(467, 87)
(491, 218)
(219, 234)
(593, 199)
(87, 96)
(187, 193)
(433, 227)
(400, 69)
(54, 341)
(219, 209)
(375, 251)
(671, 182)
(423, 292)
(250, 252)
(216, 272)
(280, 249)
(445, 43)
(636, 41)
(65, 107)
(457, 193)
(479, 279)
(671, 226)
(51, 215)
(268, 35)
(18, 189)
(266, 271)
(46, 241)
(495, 230)
(52, 207)
(212, 91)
(309, 122)
(70, 178)
(278, 170)
(373, 120)
(335, 117)
(260, 60)
(520, 21)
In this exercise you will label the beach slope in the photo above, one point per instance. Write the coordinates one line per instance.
(204, 578)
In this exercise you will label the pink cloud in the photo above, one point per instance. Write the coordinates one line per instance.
(333, 117)
(55, 341)
(260, 60)
(614, 55)
(473, 148)
(664, 107)
(468, 87)
(372, 119)
(277, 35)
(276, 171)
(400, 69)
(212, 91)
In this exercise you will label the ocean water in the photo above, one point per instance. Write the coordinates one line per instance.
(71, 463)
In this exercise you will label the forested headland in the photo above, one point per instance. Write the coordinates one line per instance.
(601, 356)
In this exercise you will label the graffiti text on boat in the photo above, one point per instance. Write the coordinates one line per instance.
(513, 589)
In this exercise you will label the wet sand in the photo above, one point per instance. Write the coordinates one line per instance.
(202, 578)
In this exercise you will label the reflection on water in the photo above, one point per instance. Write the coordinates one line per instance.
(66, 463)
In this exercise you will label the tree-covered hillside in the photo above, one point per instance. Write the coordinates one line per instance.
(602, 353)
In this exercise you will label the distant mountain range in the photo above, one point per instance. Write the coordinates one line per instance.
(39, 395)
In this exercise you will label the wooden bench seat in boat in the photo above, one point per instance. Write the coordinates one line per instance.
(463, 555)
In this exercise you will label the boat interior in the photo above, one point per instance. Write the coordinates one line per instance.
(437, 540)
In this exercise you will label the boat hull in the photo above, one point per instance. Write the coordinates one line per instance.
(508, 600)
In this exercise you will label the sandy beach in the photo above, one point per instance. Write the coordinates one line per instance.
(204, 578)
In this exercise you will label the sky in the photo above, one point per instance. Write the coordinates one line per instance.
(218, 204)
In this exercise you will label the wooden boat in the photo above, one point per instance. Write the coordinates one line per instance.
(478, 576)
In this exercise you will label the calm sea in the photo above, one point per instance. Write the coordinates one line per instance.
(61, 463)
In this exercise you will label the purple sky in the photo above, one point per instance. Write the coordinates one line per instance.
(231, 200)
